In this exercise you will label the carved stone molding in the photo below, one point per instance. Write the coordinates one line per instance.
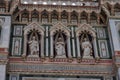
(60, 26)
(86, 27)
(67, 69)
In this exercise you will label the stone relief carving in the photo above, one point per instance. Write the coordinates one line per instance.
(87, 48)
(34, 47)
(103, 48)
(60, 48)
(18, 30)
(87, 36)
(16, 46)
(60, 41)
(33, 40)
(101, 33)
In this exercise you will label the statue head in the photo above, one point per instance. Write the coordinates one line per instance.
(85, 39)
(33, 37)
(59, 39)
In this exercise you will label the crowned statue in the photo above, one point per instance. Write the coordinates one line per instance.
(87, 49)
(34, 47)
(60, 48)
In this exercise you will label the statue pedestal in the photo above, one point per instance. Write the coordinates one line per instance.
(33, 56)
(60, 56)
(87, 57)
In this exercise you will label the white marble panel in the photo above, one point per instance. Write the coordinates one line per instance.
(5, 32)
(16, 46)
(103, 48)
(14, 77)
(18, 30)
(115, 35)
(2, 72)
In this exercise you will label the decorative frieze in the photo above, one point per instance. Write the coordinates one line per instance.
(61, 68)
(40, 78)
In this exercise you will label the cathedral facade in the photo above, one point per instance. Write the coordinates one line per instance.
(59, 39)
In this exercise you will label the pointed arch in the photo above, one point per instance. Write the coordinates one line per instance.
(87, 28)
(64, 16)
(83, 17)
(35, 26)
(64, 33)
(93, 18)
(74, 17)
(38, 32)
(25, 15)
(35, 15)
(44, 16)
(60, 26)
(117, 9)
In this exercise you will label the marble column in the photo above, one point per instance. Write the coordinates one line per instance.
(51, 46)
(73, 43)
(78, 47)
(47, 42)
(69, 47)
(3, 72)
(25, 45)
(42, 46)
(118, 73)
(95, 48)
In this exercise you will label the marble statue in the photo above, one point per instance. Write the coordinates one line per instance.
(87, 49)
(60, 48)
(34, 47)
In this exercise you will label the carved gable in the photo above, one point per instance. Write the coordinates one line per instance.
(35, 26)
(85, 27)
(60, 26)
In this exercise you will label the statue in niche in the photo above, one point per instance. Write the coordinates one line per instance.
(87, 49)
(34, 47)
(60, 48)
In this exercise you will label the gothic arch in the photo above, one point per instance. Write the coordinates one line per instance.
(35, 26)
(84, 17)
(66, 31)
(90, 31)
(87, 28)
(60, 26)
(35, 15)
(40, 30)
(44, 16)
